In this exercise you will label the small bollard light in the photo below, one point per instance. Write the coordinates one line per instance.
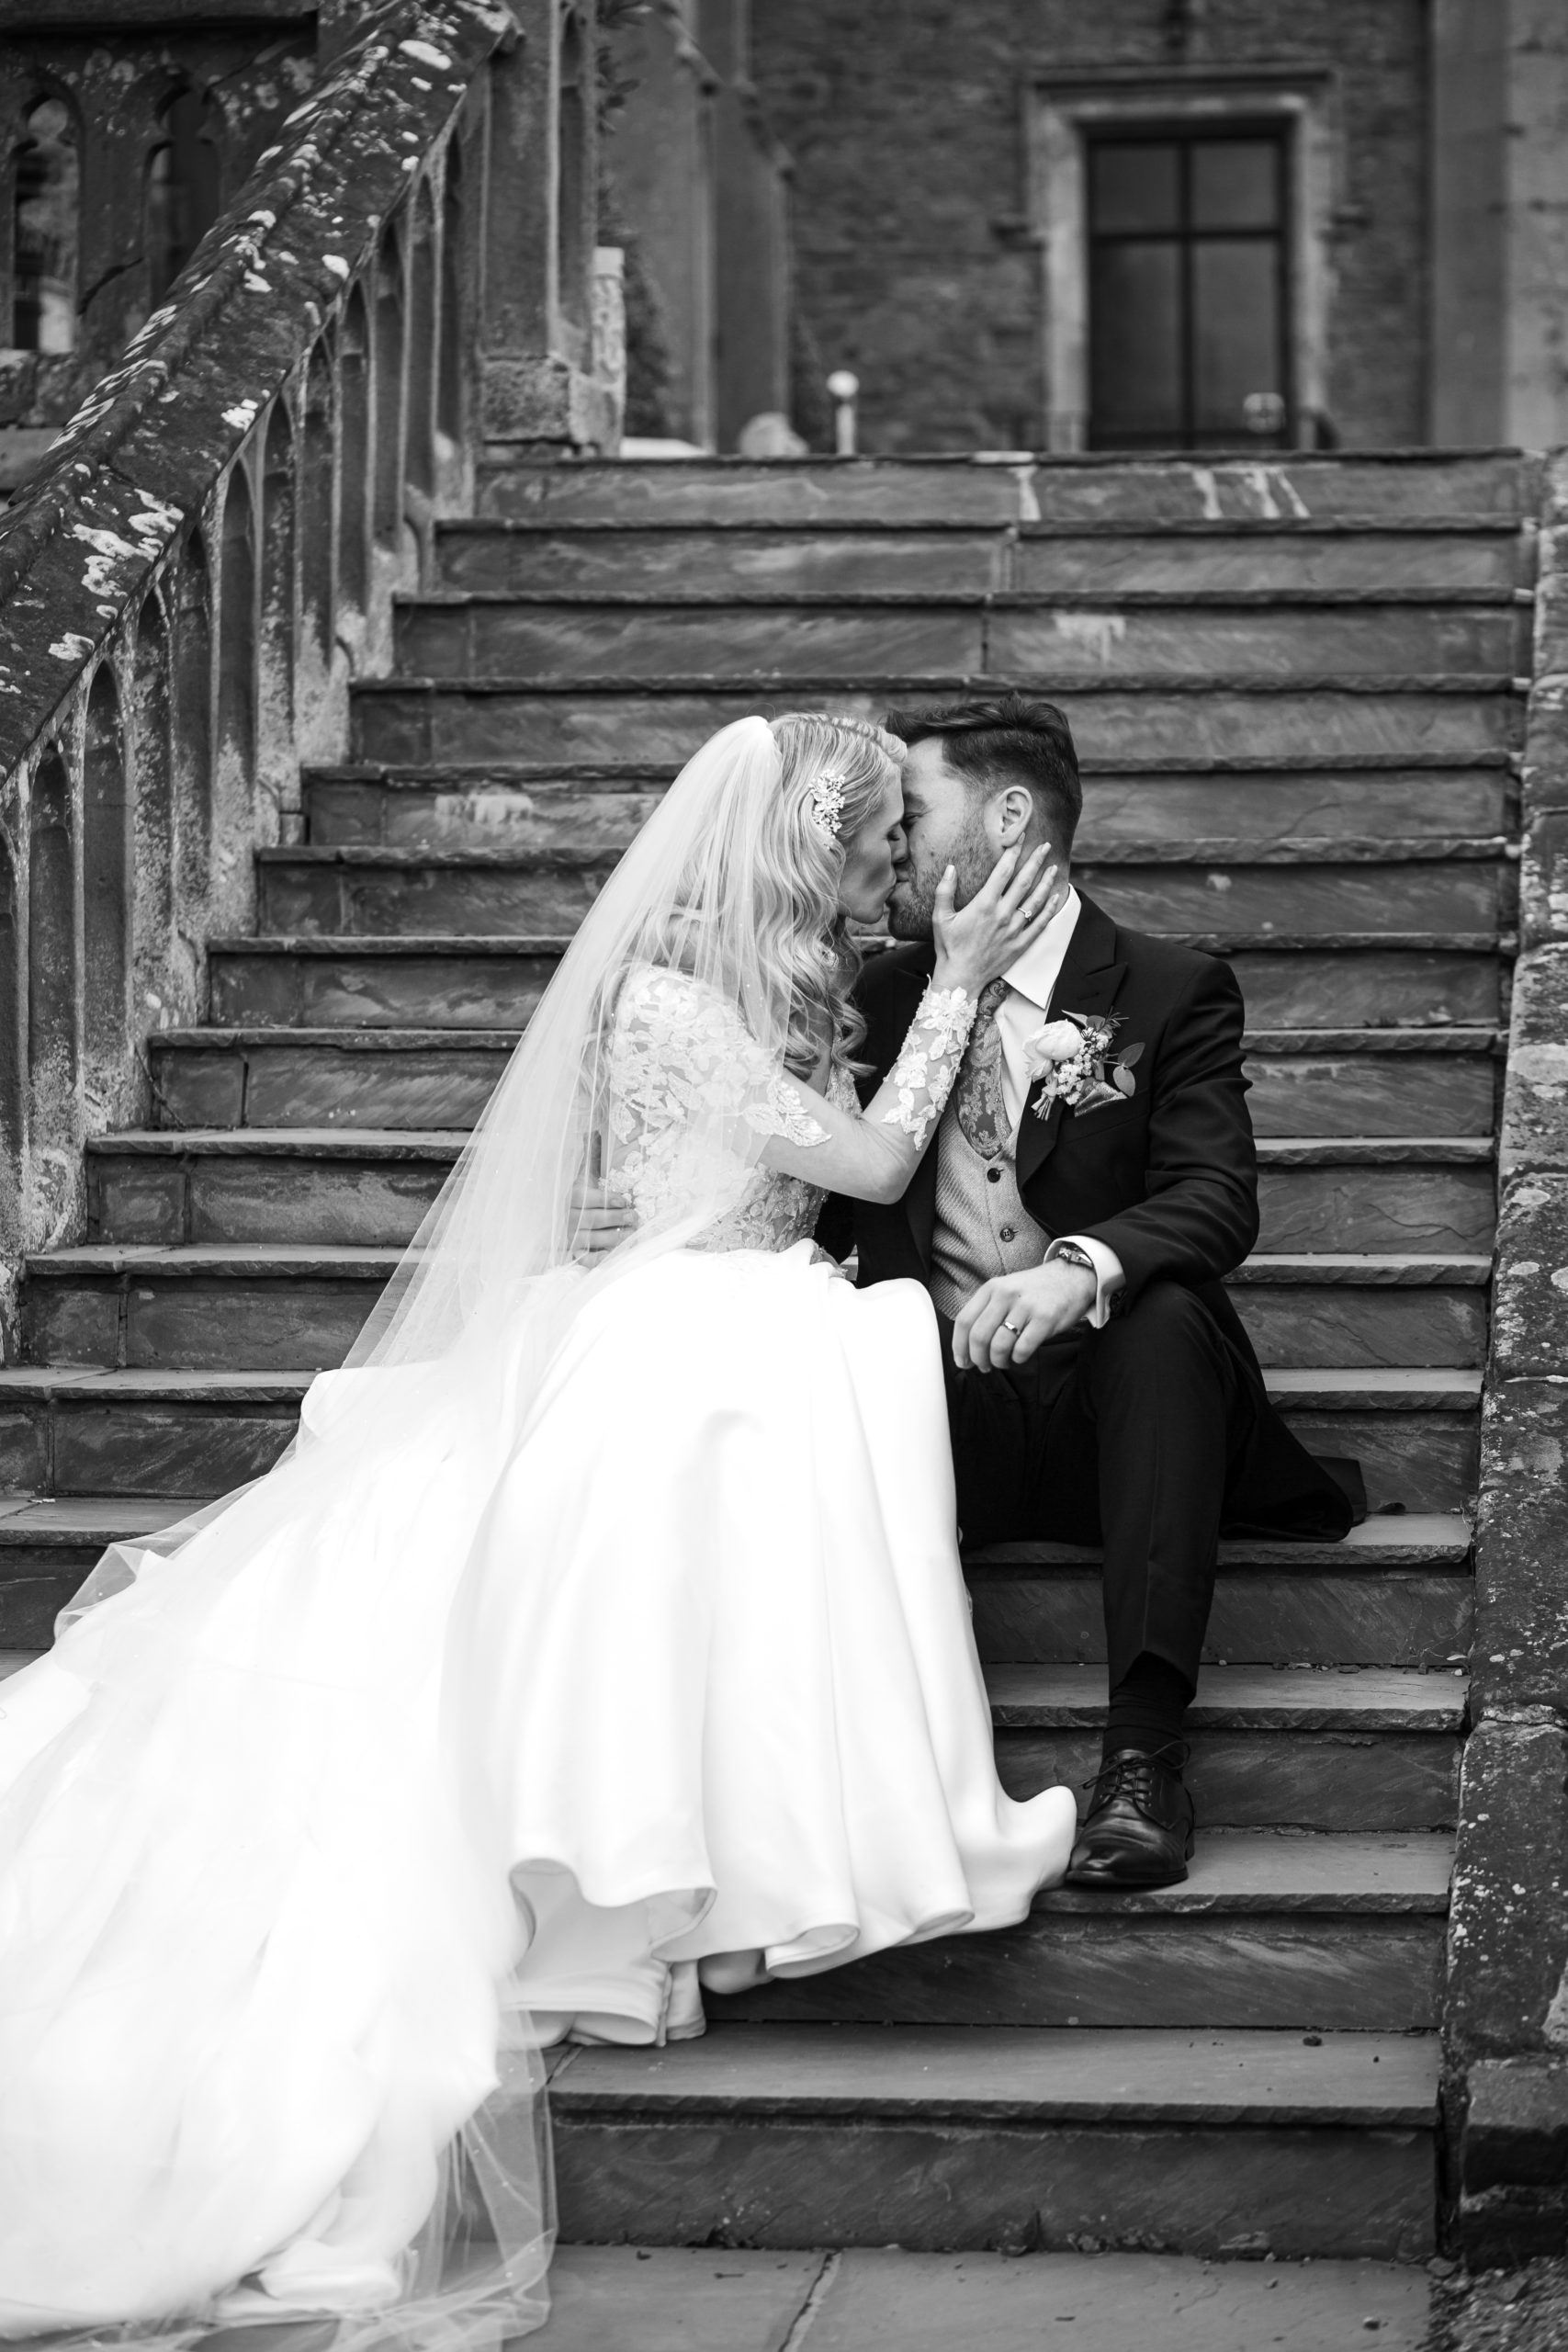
(844, 388)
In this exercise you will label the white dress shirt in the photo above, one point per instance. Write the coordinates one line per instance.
(1021, 1013)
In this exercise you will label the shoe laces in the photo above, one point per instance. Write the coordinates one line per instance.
(1132, 1774)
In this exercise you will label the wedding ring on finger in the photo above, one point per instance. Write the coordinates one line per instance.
(1016, 1328)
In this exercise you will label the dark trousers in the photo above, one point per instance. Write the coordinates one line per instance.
(1145, 1437)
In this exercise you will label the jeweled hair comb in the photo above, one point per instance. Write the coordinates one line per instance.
(825, 803)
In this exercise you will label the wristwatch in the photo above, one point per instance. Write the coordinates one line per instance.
(1068, 1253)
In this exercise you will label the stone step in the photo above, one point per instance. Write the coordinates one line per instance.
(1306, 1082)
(1180, 722)
(218, 1184)
(267, 1305)
(1020, 486)
(481, 635)
(471, 979)
(1346, 814)
(1317, 1307)
(1326, 1748)
(682, 2298)
(1396, 1592)
(1003, 2136)
(171, 1322)
(525, 893)
(1390, 1595)
(1416, 1431)
(1314, 1933)
(870, 558)
(1388, 981)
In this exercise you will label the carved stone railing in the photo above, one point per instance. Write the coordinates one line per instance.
(208, 555)
(1506, 2037)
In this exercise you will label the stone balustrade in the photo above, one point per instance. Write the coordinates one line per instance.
(209, 553)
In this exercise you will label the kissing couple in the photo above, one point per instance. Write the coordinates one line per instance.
(601, 1636)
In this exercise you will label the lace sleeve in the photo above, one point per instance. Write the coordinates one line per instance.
(922, 1078)
(687, 1079)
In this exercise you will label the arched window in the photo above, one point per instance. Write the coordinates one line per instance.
(182, 191)
(45, 220)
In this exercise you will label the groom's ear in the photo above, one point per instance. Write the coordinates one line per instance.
(1010, 813)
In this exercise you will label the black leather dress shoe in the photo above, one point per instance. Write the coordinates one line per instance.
(1141, 1829)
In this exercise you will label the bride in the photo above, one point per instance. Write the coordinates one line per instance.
(600, 1637)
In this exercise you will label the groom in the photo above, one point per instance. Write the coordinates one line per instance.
(1093, 1180)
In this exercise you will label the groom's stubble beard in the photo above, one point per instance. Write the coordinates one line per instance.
(913, 903)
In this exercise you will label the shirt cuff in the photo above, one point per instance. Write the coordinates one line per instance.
(1109, 1276)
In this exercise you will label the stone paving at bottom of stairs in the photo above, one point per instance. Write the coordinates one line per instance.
(699, 2299)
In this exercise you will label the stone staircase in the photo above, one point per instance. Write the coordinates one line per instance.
(1296, 692)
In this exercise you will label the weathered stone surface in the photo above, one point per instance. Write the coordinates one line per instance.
(1442, 895)
(1420, 1460)
(1515, 2123)
(888, 2301)
(1509, 1938)
(414, 984)
(1343, 1325)
(1535, 1099)
(1289, 1974)
(675, 2299)
(1371, 1094)
(1521, 1617)
(1373, 1207)
(1531, 1323)
(1543, 881)
(1400, 1617)
(1337, 1780)
(1306, 987)
(1150, 491)
(1309, 2192)
(410, 724)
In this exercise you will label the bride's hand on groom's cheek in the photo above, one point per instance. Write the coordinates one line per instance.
(1010, 1317)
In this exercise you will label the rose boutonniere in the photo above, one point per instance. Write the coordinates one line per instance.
(1072, 1056)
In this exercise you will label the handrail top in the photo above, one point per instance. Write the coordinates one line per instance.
(153, 439)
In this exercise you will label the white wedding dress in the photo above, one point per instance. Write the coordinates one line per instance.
(532, 1677)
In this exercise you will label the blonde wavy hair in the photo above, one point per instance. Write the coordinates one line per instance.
(800, 927)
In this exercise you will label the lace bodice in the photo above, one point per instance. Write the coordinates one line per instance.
(775, 1211)
(692, 1096)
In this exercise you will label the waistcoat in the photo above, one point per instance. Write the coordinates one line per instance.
(982, 1226)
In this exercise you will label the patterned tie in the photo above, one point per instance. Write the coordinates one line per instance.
(982, 1113)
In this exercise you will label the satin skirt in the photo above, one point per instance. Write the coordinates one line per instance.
(513, 1704)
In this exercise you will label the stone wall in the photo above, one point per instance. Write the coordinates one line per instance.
(917, 260)
(1507, 2028)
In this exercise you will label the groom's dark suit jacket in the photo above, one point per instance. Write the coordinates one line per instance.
(1166, 1176)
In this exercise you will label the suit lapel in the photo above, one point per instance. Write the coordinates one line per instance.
(1088, 982)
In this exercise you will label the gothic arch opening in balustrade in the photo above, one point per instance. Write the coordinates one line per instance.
(152, 799)
(316, 514)
(193, 718)
(276, 751)
(234, 772)
(182, 191)
(12, 995)
(107, 874)
(354, 455)
(424, 343)
(52, 951)
(449, 377)
(44, 201)
(576, 202)
(389, 404)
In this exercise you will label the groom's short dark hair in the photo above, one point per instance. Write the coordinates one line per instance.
(1012, 740)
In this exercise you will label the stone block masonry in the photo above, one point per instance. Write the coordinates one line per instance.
(917, 260)
(1507, 2042)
